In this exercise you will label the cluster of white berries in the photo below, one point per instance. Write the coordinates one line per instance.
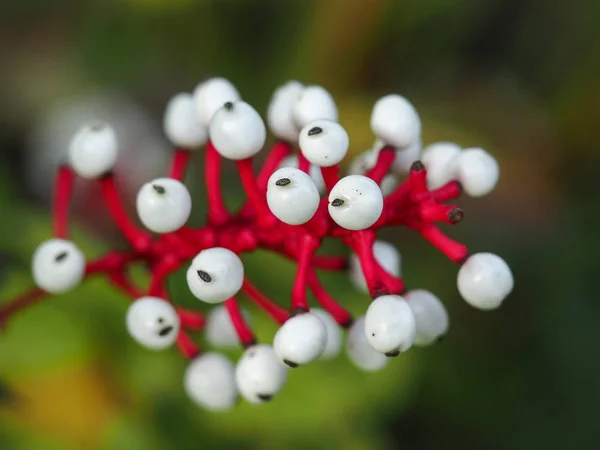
(306, 115)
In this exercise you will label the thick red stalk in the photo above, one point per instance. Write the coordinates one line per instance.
(362, 244)
(179, 163)
(455, 251)
(332, 263)
(63, 190)
(188, 348)
(278, 314)
(191, 320)
(303, 163)
(385, 159)
(278, 153)
(217, 211)
(23, 301)
(449, 191)
(341, 315)
(308, 245)
(331, 175)
(255, 196)
(243, 331)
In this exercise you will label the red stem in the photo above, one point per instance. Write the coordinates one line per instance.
(217, 211)
(455, 251)
(278, 153)
(362, 245)
(303, 163)
(191, 320)
(138, 239)
(308, 245)
(449, 191)
(188, 348)
(179, 163)
(331, 175)
(278, 314)
(341, 315)
(245, 334)
(19, 303)
(256, 198)
(385, 159)
(63, 190)
(333, 263)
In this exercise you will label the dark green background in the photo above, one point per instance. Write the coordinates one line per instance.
(517, 77)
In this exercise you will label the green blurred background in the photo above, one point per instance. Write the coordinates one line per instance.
(517, 77)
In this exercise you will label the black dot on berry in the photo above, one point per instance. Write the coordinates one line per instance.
(159, 189)
(283, 182)
(204, 276)
(314, 131)
(61, 257)
(228, 106)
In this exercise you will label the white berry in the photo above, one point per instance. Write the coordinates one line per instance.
(395, 121)
(430, 314)
(57, 266)
(219, 330)
(300, 340)
(279, 114)
(292, 196)
(390, 325)
(484, 280)
(478, 171)
(313, 103)
(355, 202)
(164, 205)
(211, 95)
(181, 123)
(334, 333)
(93, 150)
(324, 142)
(386, 255)
(440, 159)
(314, 171)
(210, 382)
(215, 275)
(153, 322)
(259, 375)
(237, 131)
(360, 352)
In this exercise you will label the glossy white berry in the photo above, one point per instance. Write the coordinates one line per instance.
(237, 131)
(292, 196)
(215, 275)
(484, 280)
(300, 340)
(440, 159)
(279, 114)
(386, 255)
(360, 352)
(314, 171)
(164, 205)
(334, 333)
(355, 202)
(259, 375)
(390, 325)
(93, 150)
(211, 95)
(153, 322)
(57, 266)
(431, 317)
(313, 103)
(181, 123)
(219, 330)
(210, 382)
(395, 121)
(324, 142)
(478, 171)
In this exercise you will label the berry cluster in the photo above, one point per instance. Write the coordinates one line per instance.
(294, 202)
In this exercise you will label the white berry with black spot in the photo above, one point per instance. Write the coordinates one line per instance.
(300, 340)
(279, 113)
(314, 171)
(313, 103)
(324, 142)
(478, 171)
(355, 202)
(153, 322)
(210, 382)
(390, 325)
(360, 351)
(164, 205)
(237, 131)
(334, 333)
(215, 275)
(211, 95)
(181, 123)
(259, 375)
(484, 280)
(431, 317)
(219, 330)
(292, 196)
(94, 150)
(395, 121)
(440, 159)
(57, 266)
(385, 254)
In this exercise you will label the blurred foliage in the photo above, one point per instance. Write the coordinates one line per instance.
(518, 77)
